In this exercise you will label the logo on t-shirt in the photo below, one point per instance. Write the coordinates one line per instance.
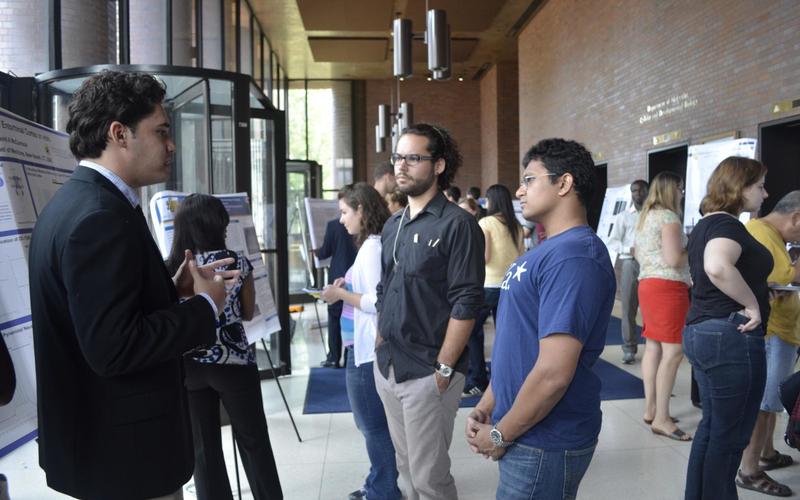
(514, 272)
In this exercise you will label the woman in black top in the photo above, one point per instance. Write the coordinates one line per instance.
(724, 337)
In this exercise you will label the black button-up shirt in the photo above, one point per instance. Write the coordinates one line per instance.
(438, 275)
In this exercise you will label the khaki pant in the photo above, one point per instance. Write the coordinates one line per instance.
(421, 424)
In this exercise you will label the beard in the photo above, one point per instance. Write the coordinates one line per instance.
(417, 187)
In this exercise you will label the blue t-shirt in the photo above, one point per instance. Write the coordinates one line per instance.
(564, 285)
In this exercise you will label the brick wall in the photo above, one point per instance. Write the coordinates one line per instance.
(454, 105)
(23, 36)
(589, 71)
(148, 32)
(84, 32)
(500, 126)
(489, 144)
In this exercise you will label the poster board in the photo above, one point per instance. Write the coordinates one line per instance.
(318, 213)
(241, 238)
(617, 199)
(35, 161)
(701, 162)
(518, 213)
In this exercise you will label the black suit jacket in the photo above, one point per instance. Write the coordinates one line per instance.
(108, 337)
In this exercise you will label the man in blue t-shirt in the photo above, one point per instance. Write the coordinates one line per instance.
(541, 415)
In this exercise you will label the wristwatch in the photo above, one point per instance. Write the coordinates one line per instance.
(443, 370)
(497, 438)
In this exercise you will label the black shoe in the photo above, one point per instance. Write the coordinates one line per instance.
(329, 364)
(358, 495)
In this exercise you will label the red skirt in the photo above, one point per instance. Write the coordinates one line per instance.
(664, 304)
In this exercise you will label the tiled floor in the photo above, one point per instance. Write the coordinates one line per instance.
(630, 462)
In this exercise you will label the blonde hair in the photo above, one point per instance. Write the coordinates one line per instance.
(664, 193)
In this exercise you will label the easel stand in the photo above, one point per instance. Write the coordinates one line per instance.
(283, 396)
(285, 404)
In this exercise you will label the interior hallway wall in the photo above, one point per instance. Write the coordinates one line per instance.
(615, 74)
(454, 105)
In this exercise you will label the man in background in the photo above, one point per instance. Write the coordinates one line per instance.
(774, 230)
(383, 179)
(621, 242)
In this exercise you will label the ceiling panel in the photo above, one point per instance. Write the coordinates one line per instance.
(349, 49)
(460, 49)
(462, 15)
(346, 15)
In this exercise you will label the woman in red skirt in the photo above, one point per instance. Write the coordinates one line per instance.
(660, 247)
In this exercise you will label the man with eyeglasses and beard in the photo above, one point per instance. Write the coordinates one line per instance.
(430, 293)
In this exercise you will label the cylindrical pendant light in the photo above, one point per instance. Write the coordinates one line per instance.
(380, 142)
(406, 115)
(384, 120)
(402, 48)
(444, 74)
(437, 38)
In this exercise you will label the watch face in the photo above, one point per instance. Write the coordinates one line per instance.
(496, 437)
(445, 371)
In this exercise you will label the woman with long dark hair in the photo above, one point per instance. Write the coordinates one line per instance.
(724, 334)
(363, 214)
(225, 370)
(504, 244)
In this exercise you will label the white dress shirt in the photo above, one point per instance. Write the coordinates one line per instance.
(622, 235)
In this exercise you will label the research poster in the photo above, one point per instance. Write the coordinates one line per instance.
(616, 200)
(702, 160)
(34, 162)
(241, 238)
(318, 213)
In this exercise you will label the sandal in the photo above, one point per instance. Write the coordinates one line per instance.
(649, 421)
(762, 483)
(677, 434)
(776, 461)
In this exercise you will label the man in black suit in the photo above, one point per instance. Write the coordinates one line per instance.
(108, 329)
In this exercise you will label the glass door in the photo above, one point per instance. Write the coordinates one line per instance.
(190, 124)
(303, 180)
(262, 178)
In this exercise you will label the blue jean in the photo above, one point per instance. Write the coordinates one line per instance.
(381, 483)
(477, 375)
(730, 368)
(528, 473)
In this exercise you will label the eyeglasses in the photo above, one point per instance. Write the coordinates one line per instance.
(410, 160)
(526, 180)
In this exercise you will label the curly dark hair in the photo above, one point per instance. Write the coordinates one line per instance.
(107, 97)
(373, 208)
(440, 145)
(561, 156)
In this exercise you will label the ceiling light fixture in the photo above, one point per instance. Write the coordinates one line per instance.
(437, 37)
